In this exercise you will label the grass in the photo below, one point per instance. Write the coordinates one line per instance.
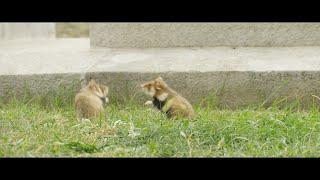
(46, 127)
(72, 30)
(34, 130)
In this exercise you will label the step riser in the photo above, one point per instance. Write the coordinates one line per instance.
(48, 85)
(9, 31)
(166, 35)
(227, 89)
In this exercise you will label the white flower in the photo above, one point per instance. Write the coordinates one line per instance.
(118, 122)
(183, 134)
(132, 132)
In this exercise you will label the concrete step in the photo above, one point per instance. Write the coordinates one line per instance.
(232, 77)
(27, 31)
(168, 35)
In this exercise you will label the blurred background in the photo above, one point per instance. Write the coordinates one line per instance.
(72, 30)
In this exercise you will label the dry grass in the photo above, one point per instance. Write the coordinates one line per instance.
(72, 30)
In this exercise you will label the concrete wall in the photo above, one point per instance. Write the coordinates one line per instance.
(163, 35)
(223, 89)
(27, 30)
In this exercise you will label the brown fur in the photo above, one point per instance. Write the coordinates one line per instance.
(88, 101)
(180, 106)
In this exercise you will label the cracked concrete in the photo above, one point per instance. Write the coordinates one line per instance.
(239, 77)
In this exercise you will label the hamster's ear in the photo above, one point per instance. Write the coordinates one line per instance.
(92, 82)
(159, 78)
(160, 83)
(92, 85)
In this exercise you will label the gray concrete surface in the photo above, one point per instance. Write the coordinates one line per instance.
(238, 77)
(166, 35)
(18, 57)
(27, 31)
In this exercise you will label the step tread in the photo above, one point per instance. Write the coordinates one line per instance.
(75, 56)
